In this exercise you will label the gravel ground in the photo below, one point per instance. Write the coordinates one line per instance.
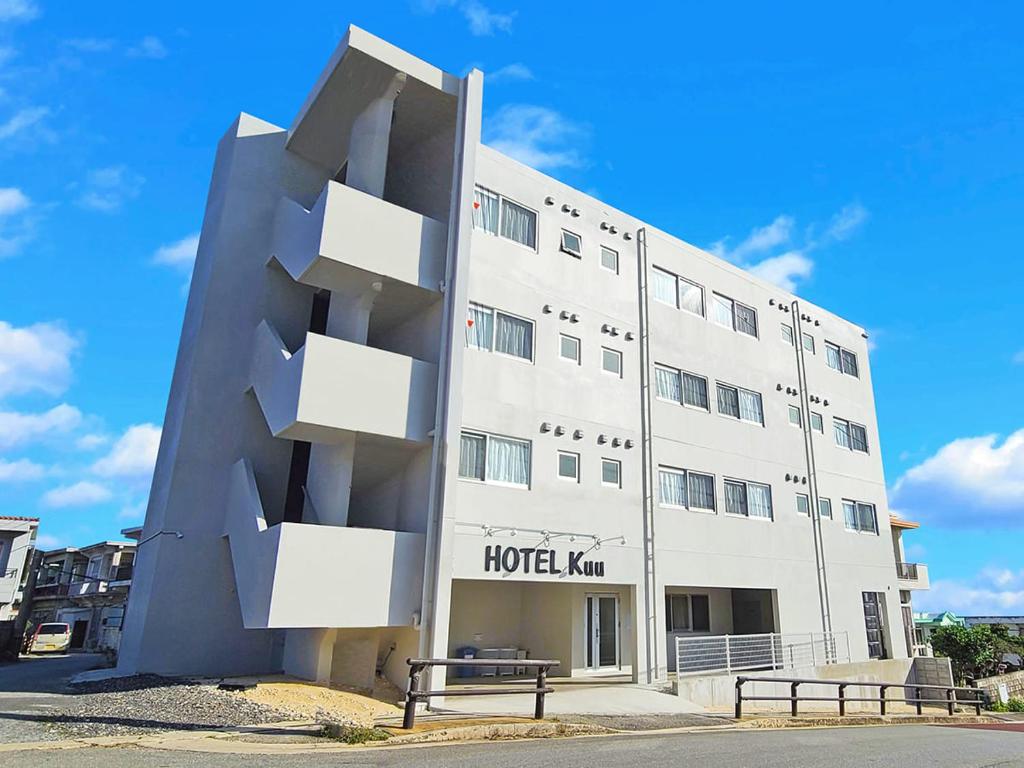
(646, 722)
(148, 703)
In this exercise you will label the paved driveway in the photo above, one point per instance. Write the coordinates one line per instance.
(32, 688)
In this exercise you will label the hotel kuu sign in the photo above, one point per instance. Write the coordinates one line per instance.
(540, 561)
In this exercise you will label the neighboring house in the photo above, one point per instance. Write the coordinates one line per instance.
(17, 539)
(926, 623)
(427, 398)
(86, 587)
(1014, 626)
(912, 577)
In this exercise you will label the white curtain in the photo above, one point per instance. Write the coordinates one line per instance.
(669, 386)
(485, 210)
(850, 515)
(760, 499)
(664, 286)
(514, 337)
(508, 461)
(746, 320)
(695, 391)
(735, 498)
(702, 490)
(471, 456)
(842, 430)
(723, 310)
(691, 297)
(750, 407)
(480, 327)
(518, 223)
(728, 402)
(832, 357)
(672, 487)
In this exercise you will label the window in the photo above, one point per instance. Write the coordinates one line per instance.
(572, 244)
(681, 387)
(740, 404)
(731, 314)
(748, 499)
(569, 466)
(803, 504)
(610, 259)
(859, 516)
(611, 361)
(842, 360)
(494, 459)
(809, 343)
(787, 333)
(494, 331)
(686, 489)
(794, 416)
(825, 508)
(687, 613)
(498, 215)
(611, 472)
(850, 435)
(569, 348)
(817, 422)
(677, 291)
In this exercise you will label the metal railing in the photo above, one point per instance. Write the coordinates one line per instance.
(951, 694)
(907, 571)
(10, 573)
(725, 654)
(416, 667)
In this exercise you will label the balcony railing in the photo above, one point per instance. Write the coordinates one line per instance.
(122, 573)
(725, 654)
(907, 571)
(10, 573)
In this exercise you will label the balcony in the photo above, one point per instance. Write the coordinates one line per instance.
(912, 575)
(301, 575)
(330, 388)
(349, 234)
(10, 584)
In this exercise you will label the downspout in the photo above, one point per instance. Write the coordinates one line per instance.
(812, 472)
(647, 459)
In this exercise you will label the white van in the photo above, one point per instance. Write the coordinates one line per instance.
(48, 638)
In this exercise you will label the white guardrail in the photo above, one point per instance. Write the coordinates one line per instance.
(725, 654)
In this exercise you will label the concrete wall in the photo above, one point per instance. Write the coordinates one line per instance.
(1014, 683)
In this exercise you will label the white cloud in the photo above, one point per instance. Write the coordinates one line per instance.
(35, 358)
(971, 481)
(992, 591)
(107, 189)
(481, 19)
(90, 44)
(759, 240)
(181, 254)
(133, 455)
(537, 136)
(46, 541)
(81, 494)
(846, 222)
(149, 47)
(12, 200)
(18, 10)
(91, 442)
(784, 270)
(510, 73)
(1018, 358)
(18, 428)
(133, 512)
(22, 120)
(20, 471)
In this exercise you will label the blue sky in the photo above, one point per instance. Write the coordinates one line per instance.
(872, 160)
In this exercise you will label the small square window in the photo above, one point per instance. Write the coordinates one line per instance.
(787, 333)
(825, 508)
(572, 243)
(809, 343)
(610, 259)
(803, 504)
(569, 348)
(611, 472)
(817, 423)
(794, 416)
(569, 466)
(691, 297)
(611, 361)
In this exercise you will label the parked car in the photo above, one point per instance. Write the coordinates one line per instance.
(49, 638)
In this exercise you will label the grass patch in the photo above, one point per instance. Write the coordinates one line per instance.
(353, 734)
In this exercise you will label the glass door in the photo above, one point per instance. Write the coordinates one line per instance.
(602, 631)
(873, 625)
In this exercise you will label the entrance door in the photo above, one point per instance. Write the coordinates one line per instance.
(602, 631)
(873, 625)
(78, 633)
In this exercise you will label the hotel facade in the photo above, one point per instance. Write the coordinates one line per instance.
(428, 399)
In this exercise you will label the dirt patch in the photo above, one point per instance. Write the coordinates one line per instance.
(305, 700)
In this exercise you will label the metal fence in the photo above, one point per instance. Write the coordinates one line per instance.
(907, 571)
(726, 654)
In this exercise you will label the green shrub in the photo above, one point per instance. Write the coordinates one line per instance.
(1015, 705)
(998, 706)
(353, 734)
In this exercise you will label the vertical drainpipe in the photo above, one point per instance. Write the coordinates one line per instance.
(449, 379)
(646, 454)
(812, 470)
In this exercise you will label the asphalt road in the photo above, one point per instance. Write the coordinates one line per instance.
(835, 747)
(36, 686)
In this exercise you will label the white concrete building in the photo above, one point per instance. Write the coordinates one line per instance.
(17, 538)
(427, 398)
